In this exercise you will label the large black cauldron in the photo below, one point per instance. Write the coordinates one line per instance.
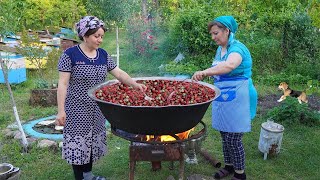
(146, 120)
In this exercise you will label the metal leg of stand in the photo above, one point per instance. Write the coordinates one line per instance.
(132, 166)
(181, 169)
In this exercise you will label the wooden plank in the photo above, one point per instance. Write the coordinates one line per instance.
(7, 48)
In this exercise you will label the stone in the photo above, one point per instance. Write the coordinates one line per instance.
(60, 144)
(17, 135)
(31, 140)
(46, 143)
(9, 133)
(14, 125)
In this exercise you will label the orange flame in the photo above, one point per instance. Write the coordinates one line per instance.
(166, 138)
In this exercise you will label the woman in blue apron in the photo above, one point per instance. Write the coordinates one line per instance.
(234, 109)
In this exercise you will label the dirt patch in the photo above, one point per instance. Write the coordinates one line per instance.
(268, 102)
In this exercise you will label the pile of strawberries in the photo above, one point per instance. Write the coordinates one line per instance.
(162, 92)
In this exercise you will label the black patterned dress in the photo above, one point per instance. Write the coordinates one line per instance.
(84, 132)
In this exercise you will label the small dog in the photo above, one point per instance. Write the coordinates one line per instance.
(300, 95)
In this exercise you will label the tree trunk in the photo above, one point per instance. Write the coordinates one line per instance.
(144, 8)
(156, 4)
(15, 111)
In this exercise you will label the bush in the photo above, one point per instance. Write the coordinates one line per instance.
(301, 46)
(307, 67)
(189, 65)
(300, 36)
(313, 87)
(275, 79)
(142, 35)
(265, 51)
(290, 112)
(188, 32)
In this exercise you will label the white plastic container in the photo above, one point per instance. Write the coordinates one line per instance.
(270, 138)
(56, 41)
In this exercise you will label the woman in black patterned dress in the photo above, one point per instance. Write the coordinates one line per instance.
(80, 68)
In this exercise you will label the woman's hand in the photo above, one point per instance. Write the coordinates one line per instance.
(61, 118)
(198, 76)
(126, 79)
(140, 87)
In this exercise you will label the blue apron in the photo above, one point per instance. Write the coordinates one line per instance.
(231, 111)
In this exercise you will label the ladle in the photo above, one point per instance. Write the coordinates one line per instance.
(147, 98)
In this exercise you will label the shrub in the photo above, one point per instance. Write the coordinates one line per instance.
(142, 35)
(188, 32)
(300, 36)
(301, 45)
(265, 51)
(313, 87)
(275, 79)
(290, 112)
(180, 68)
(189, 65)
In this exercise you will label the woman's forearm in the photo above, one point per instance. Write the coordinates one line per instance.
(61, 97)
(221, 68)
(62, 90)
(123, 77)
(233, 61)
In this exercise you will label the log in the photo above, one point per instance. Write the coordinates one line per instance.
(215, 163)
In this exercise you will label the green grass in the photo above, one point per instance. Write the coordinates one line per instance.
(298, 159)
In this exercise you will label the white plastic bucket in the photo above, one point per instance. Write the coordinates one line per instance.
(270, 138)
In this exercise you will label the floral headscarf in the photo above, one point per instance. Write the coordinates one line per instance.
(86, 23)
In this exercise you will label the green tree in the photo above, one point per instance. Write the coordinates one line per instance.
(112, 11)
(313, 10)
(10, 16)
(33, 51)
(40, 14)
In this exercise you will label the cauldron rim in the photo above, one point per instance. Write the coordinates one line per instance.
(91, 91)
